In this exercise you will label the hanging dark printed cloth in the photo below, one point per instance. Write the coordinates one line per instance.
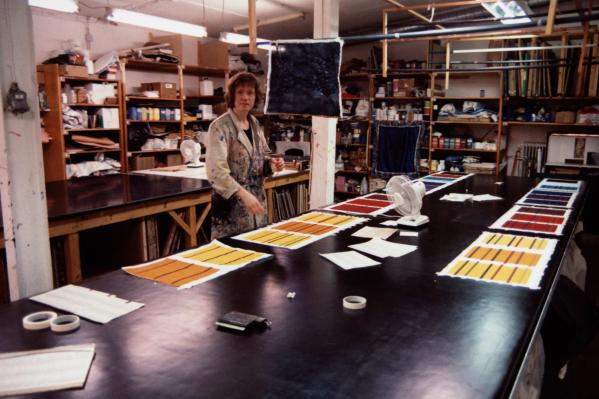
(303, 78)
(396, 149)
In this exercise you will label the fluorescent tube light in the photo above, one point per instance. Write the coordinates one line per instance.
(158, 23)
(237, 38)
(510, 9)
(56, 5)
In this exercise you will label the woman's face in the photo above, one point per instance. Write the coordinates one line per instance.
(245, 97)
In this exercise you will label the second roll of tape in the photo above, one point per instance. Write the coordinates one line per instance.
(354, 302)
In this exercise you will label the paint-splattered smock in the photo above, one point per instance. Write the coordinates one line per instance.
(233, 162)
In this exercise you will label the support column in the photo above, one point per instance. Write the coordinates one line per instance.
(23, 190)
(322, 168)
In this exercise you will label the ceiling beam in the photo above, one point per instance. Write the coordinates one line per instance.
(416, 14)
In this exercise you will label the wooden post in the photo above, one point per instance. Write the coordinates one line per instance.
(385, 60)
(550, 17)
(447, 65)
(253, 28)
(583, 52)
(322, 169)
(23, 190)
(72, 258)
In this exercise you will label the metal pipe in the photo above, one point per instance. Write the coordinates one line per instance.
(507, 49)
(489, 69)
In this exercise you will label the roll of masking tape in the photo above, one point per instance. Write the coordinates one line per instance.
(65, 323)
(354, 302)
(38, 320)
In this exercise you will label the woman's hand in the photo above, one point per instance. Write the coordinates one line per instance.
(277, 164)
(250, 201)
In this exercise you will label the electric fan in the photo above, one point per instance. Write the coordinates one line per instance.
(191, 151)
(407, 197)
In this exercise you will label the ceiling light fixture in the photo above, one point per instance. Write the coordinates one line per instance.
(237, 38)
(158, 23)
(56, 5)
(510, 9)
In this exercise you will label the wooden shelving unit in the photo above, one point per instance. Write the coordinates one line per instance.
(56, 152)
(179, 103)
(495, 103)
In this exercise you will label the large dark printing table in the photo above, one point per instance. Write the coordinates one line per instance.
(420, 336)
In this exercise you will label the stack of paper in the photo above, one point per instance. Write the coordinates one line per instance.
(456, 197)
(350, 259)
(45, 370)
(372, 232)
(486, 197)
(93, 305)
(383, 249)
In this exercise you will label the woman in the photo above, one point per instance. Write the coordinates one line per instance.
(235, 154)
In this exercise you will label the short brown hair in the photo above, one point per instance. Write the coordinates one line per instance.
(241, 79)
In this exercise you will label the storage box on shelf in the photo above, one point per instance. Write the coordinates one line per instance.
(83, 119)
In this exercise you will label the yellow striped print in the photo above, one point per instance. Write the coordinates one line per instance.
(490, 272)
(275, 238)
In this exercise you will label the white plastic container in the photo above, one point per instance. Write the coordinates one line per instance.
(206, 88)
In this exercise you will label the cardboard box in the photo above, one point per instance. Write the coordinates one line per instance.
(143, 162)
(565, 117)
(175, 41)
(213, 55)
(164, 89)
(73, 70)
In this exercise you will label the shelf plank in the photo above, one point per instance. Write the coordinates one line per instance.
(66, 78)
(139, 65)
(202, 71)
(95, 129)
(462, 150)
(519, 98)
(131, 153)
(412, 98)
(353, 172)
(143, 98)
(206, 98)
(152, 121)
(81, 152)
(464, 123)
(463, 98)
(547, 124)
(93, 105)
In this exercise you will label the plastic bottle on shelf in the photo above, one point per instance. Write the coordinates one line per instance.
(364, 186)
(441, 166)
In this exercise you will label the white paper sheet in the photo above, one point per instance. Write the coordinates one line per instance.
(393, 222)
(456, 197)
(486, 197)
(93, 305)
(45, 370)
(350, 259)
(383, 249)
(372, 232)
(408, 233)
